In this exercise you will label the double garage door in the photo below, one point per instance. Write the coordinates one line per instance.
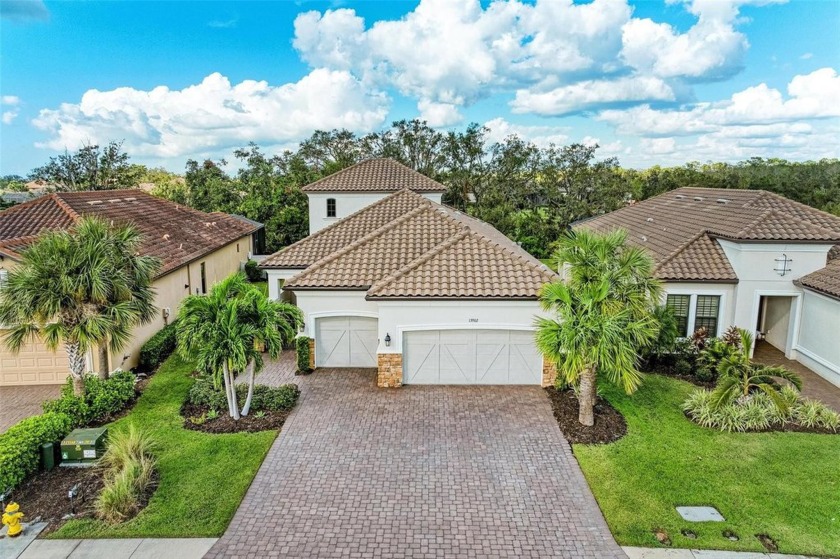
(471, 357)
(346, 341)
(34, 364)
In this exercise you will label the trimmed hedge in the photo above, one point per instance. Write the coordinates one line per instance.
(303, 354)
(19, 446)
(266, 398)
(102, 399)
(252, 272)
(157, 349)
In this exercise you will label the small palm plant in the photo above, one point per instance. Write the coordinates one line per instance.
(739, 377)
(226, 330)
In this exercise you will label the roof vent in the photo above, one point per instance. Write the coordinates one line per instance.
(166, 236)
(130, 199)
(649, 220)
(679, 196)
(94, 202)
(722, 201)
(644, 239)
(112, 200)
(698, 198)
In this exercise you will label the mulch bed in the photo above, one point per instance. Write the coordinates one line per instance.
(609, 424)
(225, 424)
(44, 495)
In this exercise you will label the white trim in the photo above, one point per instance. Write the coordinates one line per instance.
(813, 356)
(401, 329)
(792, 341)
(692, 305)
(312, 317)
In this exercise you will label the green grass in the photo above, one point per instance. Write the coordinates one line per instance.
(203, 477)
(786, 485)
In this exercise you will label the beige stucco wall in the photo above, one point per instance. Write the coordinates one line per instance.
(170, 290)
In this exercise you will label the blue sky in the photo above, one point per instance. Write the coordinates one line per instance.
(654, 82)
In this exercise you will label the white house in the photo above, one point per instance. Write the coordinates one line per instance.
(416, 289)
(747, 258)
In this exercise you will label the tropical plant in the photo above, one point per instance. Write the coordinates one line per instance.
(225, 330)
(667, 334)
(604, 314)
(739, 377)
(128, 467)
(710, 359)
(84, 286)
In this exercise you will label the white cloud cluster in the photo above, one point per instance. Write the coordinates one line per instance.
(557, 56)
(214, 114)
(12, 103)
(542, 136)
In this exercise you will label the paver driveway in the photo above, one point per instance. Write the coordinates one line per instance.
(416, 472)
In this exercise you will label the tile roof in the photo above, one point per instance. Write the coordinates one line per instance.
(468, 265)
(680, 228)
(380, 174)
(173, 233)
(343, 232)
(825, 280)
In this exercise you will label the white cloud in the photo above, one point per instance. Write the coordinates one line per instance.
(807, 56)
(658, 146)
(439, 114)
(542, 136)
(552, 52)
(9, 116)
(11, 100)
(24, 10)
(214, 114)
(587, 94)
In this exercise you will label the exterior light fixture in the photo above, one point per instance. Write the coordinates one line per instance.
(387, 340)
(782, 265)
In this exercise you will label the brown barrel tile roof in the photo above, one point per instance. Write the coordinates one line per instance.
(375, 175)
(173, 233)
(343, 232)
(468, 265)
(825, 280)
(680, 228)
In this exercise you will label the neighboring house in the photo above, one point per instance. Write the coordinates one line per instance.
(343, 193)
(196, 250)
(747, 258)
(418, 290)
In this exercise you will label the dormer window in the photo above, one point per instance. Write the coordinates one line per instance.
(330, 207)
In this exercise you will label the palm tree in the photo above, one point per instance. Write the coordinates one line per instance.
(225, 331)
(605, 313)
(83, 287)
(739, 376)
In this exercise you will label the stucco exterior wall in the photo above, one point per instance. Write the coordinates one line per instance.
(777, 321)
(819, 336)
(275, 278)
(318, 304)
(726, 291)
(346, 204)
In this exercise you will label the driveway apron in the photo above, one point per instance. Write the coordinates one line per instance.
(421, 471)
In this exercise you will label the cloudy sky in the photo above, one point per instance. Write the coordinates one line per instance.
(653, 82)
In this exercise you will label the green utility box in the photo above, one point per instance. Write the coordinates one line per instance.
(83, 447)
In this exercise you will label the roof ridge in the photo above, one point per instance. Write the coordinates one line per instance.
(340, 171)
(681, 249)
(66, 207)
(317, 265)
(321, 232)
(309, 186)
(29, 203)
(420, 260)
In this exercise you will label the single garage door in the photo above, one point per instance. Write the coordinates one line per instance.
(346, 341)
(471, 357)
(34, 364)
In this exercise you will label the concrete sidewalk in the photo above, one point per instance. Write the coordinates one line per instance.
(140, 548)
(649, 553)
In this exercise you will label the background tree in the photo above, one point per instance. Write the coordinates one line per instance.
(604, 311)
(81, 287)
(224, 331)
(90, 168)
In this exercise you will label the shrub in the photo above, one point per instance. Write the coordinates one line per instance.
(683, 366)
(19, 446)
(102, 398)
(128, 466)
(157, 349)
(281, 398)
(759, 412)
(204, 393)
(252, 272)
(303, 354)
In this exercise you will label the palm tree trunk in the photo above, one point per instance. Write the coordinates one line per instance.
(76, 359)
(103, 361)
(227, 384)
(247, 407)
(586, 411)
(233, 398)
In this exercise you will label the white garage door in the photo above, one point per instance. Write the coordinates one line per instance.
(346, 341)
(34, 364)
(471, 357)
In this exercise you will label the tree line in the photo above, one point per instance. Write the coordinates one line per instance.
(530, 193)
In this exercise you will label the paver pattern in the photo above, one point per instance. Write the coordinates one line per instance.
(430, 471)
(19, 402)
(813, 385)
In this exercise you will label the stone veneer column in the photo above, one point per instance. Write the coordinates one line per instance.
(390, 370)
(549, 373)
(312, 353)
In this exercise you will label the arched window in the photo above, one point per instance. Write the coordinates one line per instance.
(330, 207)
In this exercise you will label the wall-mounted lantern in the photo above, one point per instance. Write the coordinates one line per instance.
(783, 265)
(387, 340)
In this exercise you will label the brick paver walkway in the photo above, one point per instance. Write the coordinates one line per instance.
(19, 402)
(359, 471)
(813, 385)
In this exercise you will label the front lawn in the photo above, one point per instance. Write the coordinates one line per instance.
(786, 485)
(203, 477)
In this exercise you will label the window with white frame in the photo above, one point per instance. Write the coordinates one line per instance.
(693, 312)
(331, 207)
